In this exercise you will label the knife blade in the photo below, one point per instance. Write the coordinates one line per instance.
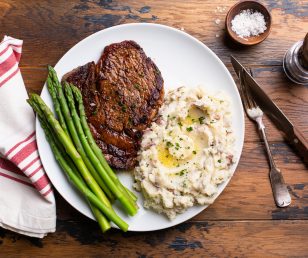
(293, 134)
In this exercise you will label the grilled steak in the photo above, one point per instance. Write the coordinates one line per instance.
(122, 94)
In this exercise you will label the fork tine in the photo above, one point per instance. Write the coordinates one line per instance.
(242, 91)
(247, 92)
(246, 95)
(251, 100)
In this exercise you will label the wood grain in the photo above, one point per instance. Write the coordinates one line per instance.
(55, 26)
(199, 239)
(244, 220)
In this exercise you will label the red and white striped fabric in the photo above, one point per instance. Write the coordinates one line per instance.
(27, 203)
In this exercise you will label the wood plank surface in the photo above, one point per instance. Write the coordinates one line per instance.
(55, 26)
(199, 239)
(243, 221)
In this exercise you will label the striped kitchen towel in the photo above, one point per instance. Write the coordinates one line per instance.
(27, 203)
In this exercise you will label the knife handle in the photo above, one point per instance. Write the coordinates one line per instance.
(300, 143)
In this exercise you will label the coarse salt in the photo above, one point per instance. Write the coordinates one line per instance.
(248, 23)
(220, 9)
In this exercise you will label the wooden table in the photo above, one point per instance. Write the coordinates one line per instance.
(244, 220)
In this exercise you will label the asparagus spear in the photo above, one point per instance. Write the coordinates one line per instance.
(74, 135)
(72, 152)
(69, 147)
(62, 158)
(101, 220)
(81, 186)
(92, 143)
(124, 199)
(56, 104)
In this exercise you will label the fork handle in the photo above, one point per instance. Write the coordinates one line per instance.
(280, 191)
(279, 188)
(261, 128)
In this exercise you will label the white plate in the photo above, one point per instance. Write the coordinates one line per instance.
(182, 60)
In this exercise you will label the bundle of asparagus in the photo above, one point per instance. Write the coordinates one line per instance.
(78, 155)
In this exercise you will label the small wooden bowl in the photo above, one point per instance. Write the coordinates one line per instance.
(255, 6)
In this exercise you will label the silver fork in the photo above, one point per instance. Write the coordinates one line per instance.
(253, 111)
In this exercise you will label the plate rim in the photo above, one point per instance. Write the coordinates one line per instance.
(37, 125)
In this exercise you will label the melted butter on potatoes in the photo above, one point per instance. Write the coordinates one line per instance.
(187, 153)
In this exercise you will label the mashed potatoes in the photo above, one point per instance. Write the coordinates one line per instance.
(187, 152)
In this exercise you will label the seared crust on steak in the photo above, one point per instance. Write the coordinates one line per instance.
(122, 95)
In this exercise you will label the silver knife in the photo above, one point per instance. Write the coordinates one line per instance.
(293, 134)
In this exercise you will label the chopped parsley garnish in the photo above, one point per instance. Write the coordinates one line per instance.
(137, 86)
(189, 129)
(180, 124)
(123, 106)
(194, 152)
(157, 71)
(219, 161)
(182, 172)
(181, 139)
(201, 120)
(169, 144)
